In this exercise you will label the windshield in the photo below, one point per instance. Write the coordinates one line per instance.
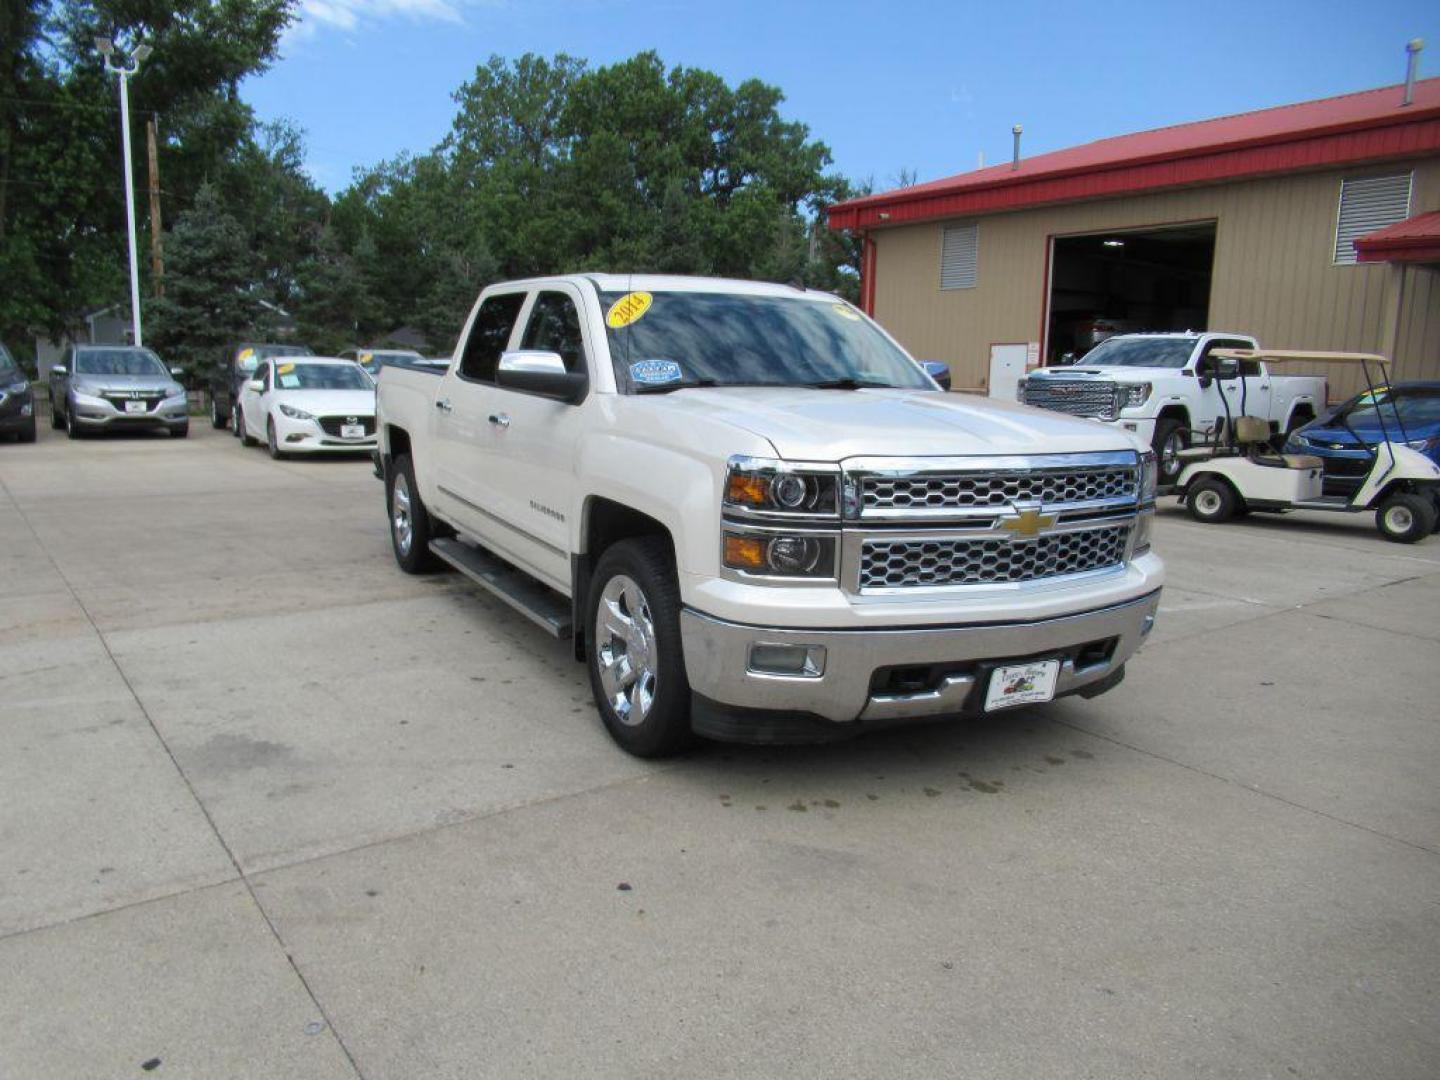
(1416, 407)
(666, 340)
(118, 362)
(8, 368)
(1141, 352)
(321, 377)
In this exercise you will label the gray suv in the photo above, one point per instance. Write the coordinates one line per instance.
(116, 387)
(17, 400)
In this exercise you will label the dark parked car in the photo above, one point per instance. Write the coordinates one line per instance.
(1409, 411)
(236, 365)
(17, 400)
(113, 387)
(372, 360)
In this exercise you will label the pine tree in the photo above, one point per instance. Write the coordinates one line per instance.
(211, 299)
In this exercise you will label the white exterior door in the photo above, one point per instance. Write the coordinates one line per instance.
(1007, 368)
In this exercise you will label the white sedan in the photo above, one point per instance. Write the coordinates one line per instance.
(309, 404)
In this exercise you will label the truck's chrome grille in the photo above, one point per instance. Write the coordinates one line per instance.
(1078, 397)
(997, 489)
(988, 559)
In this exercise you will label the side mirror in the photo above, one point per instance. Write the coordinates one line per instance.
(57, 369)
(533, 371)
(939, 371)
(257, 385)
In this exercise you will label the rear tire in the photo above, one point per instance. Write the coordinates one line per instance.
(1405, 518)
(1171, 436)
(411, 528)
(635, 660)
(218, 420)
(240, 430)
(1211, 500)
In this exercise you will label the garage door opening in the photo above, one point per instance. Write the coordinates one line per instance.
(1122, 282)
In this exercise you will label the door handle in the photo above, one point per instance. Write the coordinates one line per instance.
(444, 405)
(500, 420)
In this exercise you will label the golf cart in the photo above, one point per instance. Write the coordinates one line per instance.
(1242, 472)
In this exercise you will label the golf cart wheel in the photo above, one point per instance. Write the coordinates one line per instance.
(1212, 501)
(1405, 518)
(1171, 436)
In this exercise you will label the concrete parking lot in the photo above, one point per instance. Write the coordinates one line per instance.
(270, 808)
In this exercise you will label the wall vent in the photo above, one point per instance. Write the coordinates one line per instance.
(958, 256)
(1366, 205)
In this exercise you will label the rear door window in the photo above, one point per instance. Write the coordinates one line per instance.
(554, 326)
(489, 335)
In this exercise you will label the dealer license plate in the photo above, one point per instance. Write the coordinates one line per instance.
(352, 431)
(1021, 684)
(135, 406)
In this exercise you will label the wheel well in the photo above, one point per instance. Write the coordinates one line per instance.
(606, 522)
(1174, 412)
(1222, 478)
(398, 439)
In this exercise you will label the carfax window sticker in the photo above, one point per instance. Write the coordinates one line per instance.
(655, 372)
(628, 309)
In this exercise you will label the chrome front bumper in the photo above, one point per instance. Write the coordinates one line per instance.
(1093, 646)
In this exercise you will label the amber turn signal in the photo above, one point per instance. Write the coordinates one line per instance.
(747, 489)
(744, 552)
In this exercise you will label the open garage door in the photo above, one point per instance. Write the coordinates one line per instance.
(1120, 282)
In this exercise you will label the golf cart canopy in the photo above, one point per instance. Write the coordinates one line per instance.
(1299, 356)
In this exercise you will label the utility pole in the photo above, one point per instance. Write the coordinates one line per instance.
(157, 254)
(115, 62)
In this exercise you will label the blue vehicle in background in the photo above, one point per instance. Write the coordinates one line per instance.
(1344, 439)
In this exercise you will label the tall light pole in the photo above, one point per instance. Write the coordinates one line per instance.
(123, 69)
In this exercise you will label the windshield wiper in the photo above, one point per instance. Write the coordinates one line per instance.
(848, 383)
(665, 388)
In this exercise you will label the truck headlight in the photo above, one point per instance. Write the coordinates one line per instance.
(294, 413)
(780, 554)
(762, 486)
(1149, 477)
(1135, 394)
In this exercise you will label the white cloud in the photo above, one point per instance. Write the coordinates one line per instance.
(348, 16)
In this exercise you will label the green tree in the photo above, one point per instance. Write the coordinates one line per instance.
(211, 299)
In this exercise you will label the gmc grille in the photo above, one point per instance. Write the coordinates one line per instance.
(1078, 397)
(989, 559)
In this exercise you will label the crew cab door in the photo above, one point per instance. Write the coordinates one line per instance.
(536, 437)
(462, 431)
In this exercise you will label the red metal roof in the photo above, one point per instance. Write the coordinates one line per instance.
(1415, 239)
(1371, 125)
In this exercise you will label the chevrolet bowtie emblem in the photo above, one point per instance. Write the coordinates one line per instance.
(1027, 523)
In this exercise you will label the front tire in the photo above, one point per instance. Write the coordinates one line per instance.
(57, 418)
(1405, 518)
(1211, 501)
(1171, 436)
(270, 442)
(27, 434)
(218, 420)
(242, 431)
(636, 664)
(411, 528)
(72, 429)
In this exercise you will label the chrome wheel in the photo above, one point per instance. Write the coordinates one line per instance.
(1399, 519)
(1170, 453)
(400, 521)
(1207, 502)
(626, 650)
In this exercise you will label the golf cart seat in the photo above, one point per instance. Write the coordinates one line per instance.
(1253, 433)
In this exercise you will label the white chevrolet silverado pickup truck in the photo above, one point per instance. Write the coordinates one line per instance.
(759, 518)
(1162, 387)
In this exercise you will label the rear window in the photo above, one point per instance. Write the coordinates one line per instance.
(489, 336)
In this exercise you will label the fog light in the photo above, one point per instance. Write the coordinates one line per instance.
(1147, 626)
(806, 661)
(298, 436)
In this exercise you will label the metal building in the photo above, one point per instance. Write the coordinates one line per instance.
(1313, 226)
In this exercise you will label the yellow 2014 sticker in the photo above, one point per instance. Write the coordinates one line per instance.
(628, 309)
(285, 369)
(245, 354)
(846, 311)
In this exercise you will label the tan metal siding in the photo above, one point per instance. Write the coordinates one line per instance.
(1274, 274)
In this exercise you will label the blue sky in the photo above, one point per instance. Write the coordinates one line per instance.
(887, 86)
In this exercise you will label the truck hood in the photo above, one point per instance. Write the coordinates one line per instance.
(832, 425)
(1116, 374)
